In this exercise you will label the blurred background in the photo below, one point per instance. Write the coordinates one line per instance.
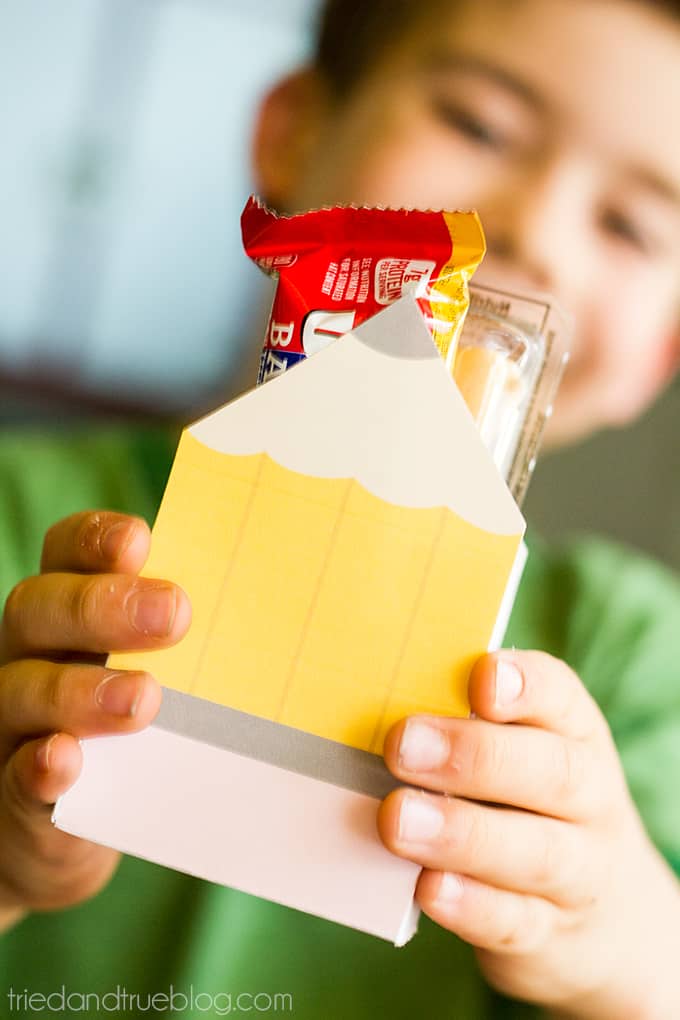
(125, 128)
(123, 287)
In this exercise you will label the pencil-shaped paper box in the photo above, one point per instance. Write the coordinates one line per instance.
(347, 543)
(350, 548)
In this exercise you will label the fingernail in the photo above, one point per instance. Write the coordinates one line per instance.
(119, 694)
(42, 755)
(422, 747)
(113, 544)
(450, 888)
(509, 683)
(419, 819)
(152, 610)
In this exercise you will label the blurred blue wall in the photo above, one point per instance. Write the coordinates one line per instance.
(125, 131)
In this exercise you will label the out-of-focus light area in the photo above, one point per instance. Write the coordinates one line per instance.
(125, 129)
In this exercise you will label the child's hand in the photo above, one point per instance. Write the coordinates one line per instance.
(535, 854)
(55, 630)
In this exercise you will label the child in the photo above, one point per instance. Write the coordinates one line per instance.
(554, 119)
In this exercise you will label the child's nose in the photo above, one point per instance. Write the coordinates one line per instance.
(537, 227)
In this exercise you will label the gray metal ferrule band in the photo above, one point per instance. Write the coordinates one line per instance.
(275, 744)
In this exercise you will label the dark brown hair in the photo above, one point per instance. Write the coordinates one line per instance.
(353, 35)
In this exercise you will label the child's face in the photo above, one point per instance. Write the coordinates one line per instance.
(557, 121)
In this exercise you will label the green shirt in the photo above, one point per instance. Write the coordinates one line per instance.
(614, 617)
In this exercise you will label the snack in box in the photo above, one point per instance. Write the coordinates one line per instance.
(337, 267)
(508, 366)
(349, 548)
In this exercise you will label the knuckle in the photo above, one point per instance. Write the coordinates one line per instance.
(548, 861)
(471, 831)
(56, 687)
(567, 773)
(514, 937)
(558, 865)
(588, 798)
(488, 756)
(575, 792)
(524, 929)
(86, 605)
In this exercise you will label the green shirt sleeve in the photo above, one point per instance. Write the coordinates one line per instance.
(614, 616)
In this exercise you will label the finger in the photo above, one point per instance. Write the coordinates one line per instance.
(489, 918)
(521, 766)
(39, 772)
(101, 613)
(535, 689)
(38, 697)
(513, 850)
(96, 541)
(44, 868)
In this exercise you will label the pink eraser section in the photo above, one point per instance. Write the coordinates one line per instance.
(240, 822)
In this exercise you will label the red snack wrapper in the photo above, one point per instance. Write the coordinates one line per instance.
(338, 267)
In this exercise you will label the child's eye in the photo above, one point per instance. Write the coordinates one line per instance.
(471, 126)
(624, 228)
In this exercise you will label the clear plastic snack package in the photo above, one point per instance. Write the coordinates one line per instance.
(511, 354)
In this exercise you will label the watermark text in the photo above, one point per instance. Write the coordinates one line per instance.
(173, 1000)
